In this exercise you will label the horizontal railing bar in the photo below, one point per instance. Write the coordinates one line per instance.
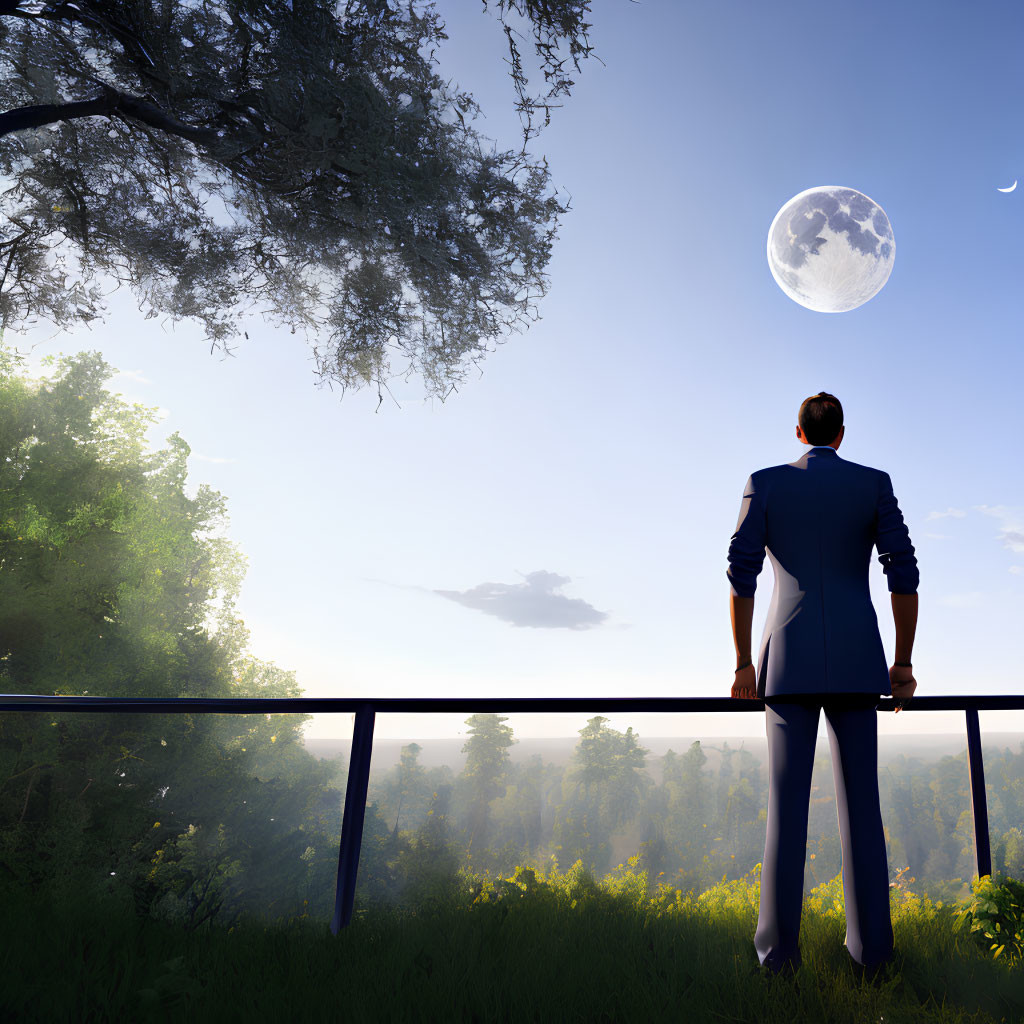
(435, 705)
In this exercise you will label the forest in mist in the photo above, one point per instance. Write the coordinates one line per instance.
(701, 819)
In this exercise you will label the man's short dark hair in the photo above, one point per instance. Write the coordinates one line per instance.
(821, 418)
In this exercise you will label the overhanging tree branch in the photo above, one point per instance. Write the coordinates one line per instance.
(89, 14)
(110, 102)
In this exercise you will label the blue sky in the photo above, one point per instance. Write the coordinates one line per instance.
(608, 446)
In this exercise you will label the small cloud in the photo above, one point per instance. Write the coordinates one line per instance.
(970, 599)
(938, 536)
(211, 458)
(1012, 521)
(1017, 570)
(133, 375)
(1014, 540)
(950, 513)
(533, 603)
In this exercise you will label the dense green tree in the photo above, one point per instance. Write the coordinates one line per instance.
(738, 802)
(1008, 853)
(689, 824)
(485, 775)
(111, 584)
(655, 853)
(105, 569)
(685, 775)
(604, 787)
(517, 818)
(610, 763)
(427, 865)
(532, 782)
(1005, 771)
(824, 849)
(907, 799)
(407, 789)
(361, 203)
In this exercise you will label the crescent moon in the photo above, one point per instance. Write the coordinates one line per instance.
(1010, 189)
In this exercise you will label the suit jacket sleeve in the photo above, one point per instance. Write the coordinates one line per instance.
(746, 549)
(892, 538)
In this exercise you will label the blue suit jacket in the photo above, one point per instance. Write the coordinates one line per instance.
(819, 518)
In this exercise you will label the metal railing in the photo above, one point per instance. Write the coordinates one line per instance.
(366, 710)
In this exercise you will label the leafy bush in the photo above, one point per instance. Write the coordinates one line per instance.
(576, 887)
(828, 900)
(739, 897)
(630, 888)
(907, 905)
(523, 885)
(996, 915)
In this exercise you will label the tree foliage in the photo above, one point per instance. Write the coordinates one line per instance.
(107, 567)
(358, 201)
(602, 793)
(113, 583)
(487, 767)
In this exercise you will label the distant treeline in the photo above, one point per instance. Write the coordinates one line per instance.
(705, 820)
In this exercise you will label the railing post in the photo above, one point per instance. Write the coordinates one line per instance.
(352, 818)
(979, 804)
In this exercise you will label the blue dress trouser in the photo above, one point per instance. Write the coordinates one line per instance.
(792, 727)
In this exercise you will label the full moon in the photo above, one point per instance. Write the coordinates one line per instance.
(831, 248)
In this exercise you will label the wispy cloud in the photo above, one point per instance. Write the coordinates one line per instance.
(1012, 522)
(1014, 540)
(938, 536)
(535, 602)
(950, 513)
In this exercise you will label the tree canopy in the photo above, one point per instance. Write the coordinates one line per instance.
(113, 584)
(357, 200)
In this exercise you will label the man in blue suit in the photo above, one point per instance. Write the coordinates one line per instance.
(818, 518)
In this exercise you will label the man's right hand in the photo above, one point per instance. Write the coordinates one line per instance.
(902, 683)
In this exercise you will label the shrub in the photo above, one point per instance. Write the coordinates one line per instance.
(996, 915)
(630, 888)
(828, 900)
(739, 897)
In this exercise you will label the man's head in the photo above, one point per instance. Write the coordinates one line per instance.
(821, 420)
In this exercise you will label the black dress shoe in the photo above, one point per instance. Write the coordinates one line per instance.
(875, 975)
(787, 970)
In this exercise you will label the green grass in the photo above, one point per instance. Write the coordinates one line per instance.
(569, 951)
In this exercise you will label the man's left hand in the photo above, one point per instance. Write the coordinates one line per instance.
(745, 683)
